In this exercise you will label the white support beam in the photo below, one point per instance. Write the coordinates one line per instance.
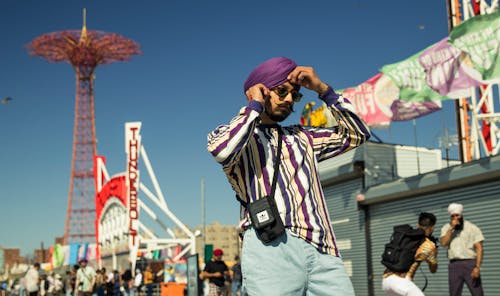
(478, 115)
(157, 209)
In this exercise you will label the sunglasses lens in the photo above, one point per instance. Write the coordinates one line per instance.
(297, 96)
(282, 92)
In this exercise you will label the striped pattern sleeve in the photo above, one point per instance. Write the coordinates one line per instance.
(425, 252)
(226, 142)
(351, 131)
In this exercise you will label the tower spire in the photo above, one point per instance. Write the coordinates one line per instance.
(83, 36)
(84, 17)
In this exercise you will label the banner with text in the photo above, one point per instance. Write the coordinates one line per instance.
(448, 70)
(409, 76)
(377, 102)
(479, 38)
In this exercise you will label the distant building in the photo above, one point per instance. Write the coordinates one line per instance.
(225, 237)
(42, 255)
(59, 240)
(11, 257)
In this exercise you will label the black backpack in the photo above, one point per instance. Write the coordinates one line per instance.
(399, 253)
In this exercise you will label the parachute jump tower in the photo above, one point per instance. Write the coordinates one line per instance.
(84, 50)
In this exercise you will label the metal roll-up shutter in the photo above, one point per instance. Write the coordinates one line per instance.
(481, 207)
(348, 225)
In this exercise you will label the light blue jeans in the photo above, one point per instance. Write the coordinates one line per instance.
(290, 266)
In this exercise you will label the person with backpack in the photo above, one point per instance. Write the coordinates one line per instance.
(403, 255)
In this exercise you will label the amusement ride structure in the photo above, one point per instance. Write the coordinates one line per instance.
(103, 210)
(477, 122)
(130, 211)
(84, 50)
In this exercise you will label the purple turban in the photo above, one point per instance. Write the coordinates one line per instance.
(271, 73)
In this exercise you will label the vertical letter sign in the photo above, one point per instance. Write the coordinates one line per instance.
(133, 148)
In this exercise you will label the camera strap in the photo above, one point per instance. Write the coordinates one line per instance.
(276, 170)
(277, 163)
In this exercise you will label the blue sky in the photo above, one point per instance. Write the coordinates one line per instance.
(196, 56)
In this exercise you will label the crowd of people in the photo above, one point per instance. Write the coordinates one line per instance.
(462, 239)
(82, 280)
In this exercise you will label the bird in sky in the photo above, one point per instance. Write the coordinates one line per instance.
(6, 100)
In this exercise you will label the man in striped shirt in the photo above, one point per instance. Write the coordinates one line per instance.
(305, 259)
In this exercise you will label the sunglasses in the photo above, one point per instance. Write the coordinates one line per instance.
(282, 92)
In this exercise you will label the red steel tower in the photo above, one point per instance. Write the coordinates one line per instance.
(84, 50)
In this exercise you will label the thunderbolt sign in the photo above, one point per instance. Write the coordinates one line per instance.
(132, 148)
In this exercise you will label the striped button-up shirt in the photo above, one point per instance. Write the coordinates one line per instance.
(247, 151)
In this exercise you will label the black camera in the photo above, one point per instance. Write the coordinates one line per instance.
(261, 212)
(434, 240)
(266, 219)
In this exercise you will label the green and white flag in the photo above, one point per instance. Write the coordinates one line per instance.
(479, 37)
(409, 77)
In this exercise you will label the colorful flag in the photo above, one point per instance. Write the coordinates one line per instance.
(403, 110)
(82, 251)
(91, 252)
(156, 254)
(73, 253)
(66, 253)
(374, 109)
(377, 102)
(449, 70)
(479, 38)
(409, 77)
(57, 259)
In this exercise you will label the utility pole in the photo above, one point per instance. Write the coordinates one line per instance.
(203, 215)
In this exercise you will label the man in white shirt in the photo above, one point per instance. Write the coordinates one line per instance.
(464, 241)
(138, 281)
(32, 280)
(85, 279)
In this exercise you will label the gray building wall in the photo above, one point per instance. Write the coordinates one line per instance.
(363, 213)
(422, 159)
(383, 162)
(348, 224)
(482, 205)
(476, 185)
